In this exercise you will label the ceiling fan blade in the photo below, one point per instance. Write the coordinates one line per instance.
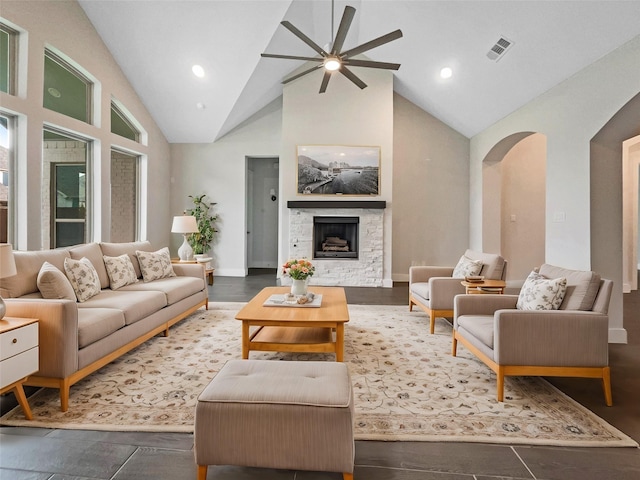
(372, 64)
(290, 79)
(325, 81)
(343, 29)
(372, 44)
(292, 57)
(304, 38)
(351, 76)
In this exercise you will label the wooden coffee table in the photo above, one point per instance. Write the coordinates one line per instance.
(295, 329)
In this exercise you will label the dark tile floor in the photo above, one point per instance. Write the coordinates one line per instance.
(39, 454)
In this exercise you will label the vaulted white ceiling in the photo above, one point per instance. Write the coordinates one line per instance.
(156, 42)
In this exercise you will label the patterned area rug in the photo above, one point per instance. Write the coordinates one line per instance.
(407, 386)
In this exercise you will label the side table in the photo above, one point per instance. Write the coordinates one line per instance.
(19, 354)
(486, 286)
(208, 270)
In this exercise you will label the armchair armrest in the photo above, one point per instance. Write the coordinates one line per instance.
(422, 274)
(482, 304)
(559, 338)
(57, 333)
(443, 290)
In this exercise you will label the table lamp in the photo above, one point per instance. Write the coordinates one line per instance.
(7, 269)
(185, 224)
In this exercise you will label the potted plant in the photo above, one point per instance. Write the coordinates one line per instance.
(201, 240)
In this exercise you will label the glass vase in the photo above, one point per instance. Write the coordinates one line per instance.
(299, 287)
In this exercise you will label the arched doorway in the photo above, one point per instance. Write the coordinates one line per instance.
(514, 177)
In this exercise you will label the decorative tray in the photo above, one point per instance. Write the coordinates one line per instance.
(278, 300)
(490, 289)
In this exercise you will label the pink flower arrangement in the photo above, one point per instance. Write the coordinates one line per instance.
(298, 269)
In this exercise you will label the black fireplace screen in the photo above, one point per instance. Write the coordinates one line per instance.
(335, 237)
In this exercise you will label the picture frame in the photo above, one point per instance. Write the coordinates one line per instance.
(338, 170)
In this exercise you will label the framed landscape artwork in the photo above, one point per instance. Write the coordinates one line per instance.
(338, 170)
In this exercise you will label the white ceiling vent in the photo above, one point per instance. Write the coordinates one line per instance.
(499, 49)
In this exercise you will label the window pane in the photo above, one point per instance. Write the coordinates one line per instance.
(8, 41)
(5, 163)
(65, 90)
(65, 190)
(124, 203)
(120, 125)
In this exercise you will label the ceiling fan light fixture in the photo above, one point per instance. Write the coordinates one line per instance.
(332, 64)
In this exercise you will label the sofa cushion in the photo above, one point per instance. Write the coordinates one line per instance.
(120, 271)
(117, 249)
(582, 286)
(93, 252)
(467, 267)
(480, 326)
(155, 265)
(54, 284)
(493, 265)
(174, 288)
(134, 305)
(421, 289)
(541, 293)
(96, 323)
(28, 266)
(83, 277)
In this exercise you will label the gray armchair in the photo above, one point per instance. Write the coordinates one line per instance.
(569, 342)
(433, 288)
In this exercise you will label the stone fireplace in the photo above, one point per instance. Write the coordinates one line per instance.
(359, 222)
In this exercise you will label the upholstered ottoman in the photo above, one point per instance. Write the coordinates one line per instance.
(277, 414)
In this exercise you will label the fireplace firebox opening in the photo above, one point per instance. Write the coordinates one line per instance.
(335, 237)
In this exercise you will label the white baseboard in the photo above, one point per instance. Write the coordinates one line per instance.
(387, 283)
(617, 335)
(230, 272)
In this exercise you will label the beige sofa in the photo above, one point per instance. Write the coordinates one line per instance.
(77, 338)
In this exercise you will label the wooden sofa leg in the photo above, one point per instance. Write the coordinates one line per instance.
(347, 476)
(202, 472)
(606, 386)
(432, 321)
(454, 344)
(410, 305)
(65, 388)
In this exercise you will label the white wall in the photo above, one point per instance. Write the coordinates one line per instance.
(344, 115)
(569, 114)
(430, 190)
(219, 170)
(64, 26)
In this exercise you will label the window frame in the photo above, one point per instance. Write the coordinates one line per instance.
(88, 82)
(12, 55)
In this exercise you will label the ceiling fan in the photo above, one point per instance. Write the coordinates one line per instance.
(335, 60)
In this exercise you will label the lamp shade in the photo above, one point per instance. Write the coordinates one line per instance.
(7, 263)
(184, 224)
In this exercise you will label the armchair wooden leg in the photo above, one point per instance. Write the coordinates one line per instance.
(606, 386)
(500, 384)
(454, 344)
(410, 305)
(432, 321)
(347, 476)
(202, 472)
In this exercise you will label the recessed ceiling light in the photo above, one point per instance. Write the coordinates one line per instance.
(54, 92)
(198, 71)
(446, 72)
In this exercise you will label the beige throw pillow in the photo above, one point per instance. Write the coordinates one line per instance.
(120, 271)
(155, 265)
(83, 277)
(541, 293)
(53, 284)
(467, 267)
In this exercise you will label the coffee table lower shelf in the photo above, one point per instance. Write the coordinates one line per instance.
(293, 339)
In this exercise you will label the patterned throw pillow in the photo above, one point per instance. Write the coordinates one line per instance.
(155, 265)
(467, 267)
(541, 293)
(120, 271)
(52, 283)
(83, 277)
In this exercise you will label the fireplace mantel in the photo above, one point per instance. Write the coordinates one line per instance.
(337, 204)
